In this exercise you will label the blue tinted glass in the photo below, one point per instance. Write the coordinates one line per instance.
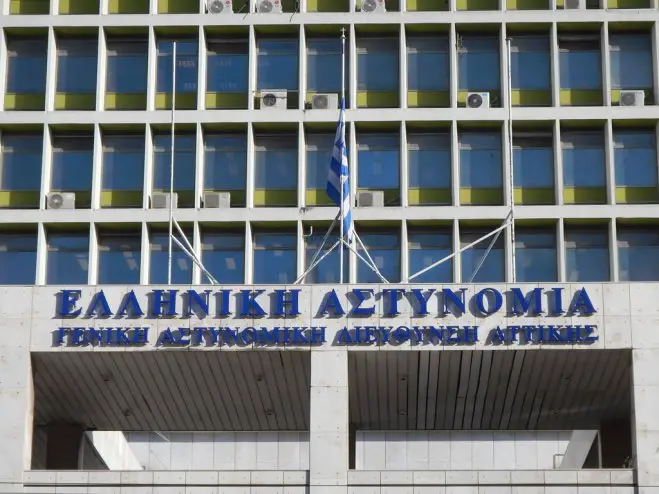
(123, 163)
(227, 72)
(275, 167)
(72, 165)
(533, 167)
(127, 69)
(181, 263)
(635, 159)
(319, 154)
(428, 71)
(26, 67)
(478, 64)
(327, 271)
(275, 258)
(277, 65)
(21, 163)
(225, 162)
(68, 260)
(535, 257)
(184, 163)
(224, 257)
(580, 69)
(531, 70)
(119, 260)
(426, 249)
(480, 168)
(584, 167)
(587, 256)
(493, 268)
(637, 255)
(430, 168)
(379, 162)
(186, 66)
(76, 70)
(384, 249)
(631, 61)
(377, 71)
(324, 65)
(18, 259)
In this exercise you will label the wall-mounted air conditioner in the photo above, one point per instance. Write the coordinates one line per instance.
(160, 200)
(373, 6)
(272, 99)
(478, 100)
(219, 6)
(217, 200)
(574, 4)
(632, 98)
(325, 101)
(61, 200)
(269, 7)
(370, 199)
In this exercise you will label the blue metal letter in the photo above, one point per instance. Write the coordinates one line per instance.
(99, 298)
(135, 310)
(456, 298)
(393, 300)
(158, 302)
(558, 300)
(224, 308)
(68, 302)
(291, 304)
(525, 302)
(480, 301)
(249, 306)
(331, 301)
(360, 293)
(582, 302)
(200, 300)
(422, 299)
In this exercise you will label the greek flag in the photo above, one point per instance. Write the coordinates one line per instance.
(338, 169)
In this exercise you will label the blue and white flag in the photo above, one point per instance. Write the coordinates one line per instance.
(339, 169)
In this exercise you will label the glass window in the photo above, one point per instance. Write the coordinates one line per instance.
(631, 61)
(478, 63)
(638, 251)
(26, 66)
(18, 258)
(184, 162)
(73, 158)
(635, 156)
(429, 157)
(377, 64)
(119, 259)
(533, 161)
(378, 157)
(580, 63)
(324, 65)
(225, 158)
(275, 258)
(535, 255)
(327, 271)
(181, 263)
(587, 255)
(76, 66)
(21, 162)
(531, 62)
(123, 162)
(277, 64)
(275, 162)
(427, 248)
(186, 66)
(228, 66)
(223, 255)
(384, 249)
(493, 267)
(127, 57)
(428, 63)
(480, 160)
(68, 259)
(583, 159)
(319, 153)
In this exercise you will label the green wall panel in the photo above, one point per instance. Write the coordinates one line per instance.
(628, 4)
(377, 99)
(534, 196)
(78, 6)
(67, 101)
(114, 101)
(417, 196)
(184, 101)
(19, 199)
(275, 197)
(530, 97)
(481, 196)
(427, 5)
(29, 7)
(226, 100)
(477, 4)
(428, 99)
(527, 4)
(584, 195)
(121, 198)
(178, 6)
(328, 6)
(17, 101)
(581, 97)
(637, 195)
(317, 197)
(128, 6)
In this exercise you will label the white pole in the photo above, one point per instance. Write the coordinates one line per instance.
(343, 132)
(510, 153)
(171, 169)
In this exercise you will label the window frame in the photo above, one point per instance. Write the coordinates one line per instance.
(210, 247)
(22, 163)
(464, 51)
(445, 234)
(79, 49)
(283, 84)
(82, 143)
(423, 47)
(381, 144)
(378, 46)
(289, 246)
(22, 49)
(83, 254)
(108, 140)
(468, 147)
(134, 240)
(229, 48)
(164, 56)
(579, 44)
(133, 50)
(583, 140)
(264, 143)
(12, 245)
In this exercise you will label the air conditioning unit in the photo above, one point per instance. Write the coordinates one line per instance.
(219, 6)
(269, 6)
(373, 6)
(273, 99)
(215, 200)
(61, 200)
(370, 199)
(324, 101)
(632, 98)
(478, 100)
(160, 200)
(574, 4)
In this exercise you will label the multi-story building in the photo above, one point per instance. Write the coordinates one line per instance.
(458, 112)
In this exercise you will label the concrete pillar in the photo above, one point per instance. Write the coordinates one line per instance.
(328, 428)
(63, 446)
(645, 421)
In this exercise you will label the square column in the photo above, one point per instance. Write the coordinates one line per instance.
(328, 425)
(645, 391)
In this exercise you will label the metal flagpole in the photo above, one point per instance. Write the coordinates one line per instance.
(510, 154)
(171, 170)
(341, 177)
